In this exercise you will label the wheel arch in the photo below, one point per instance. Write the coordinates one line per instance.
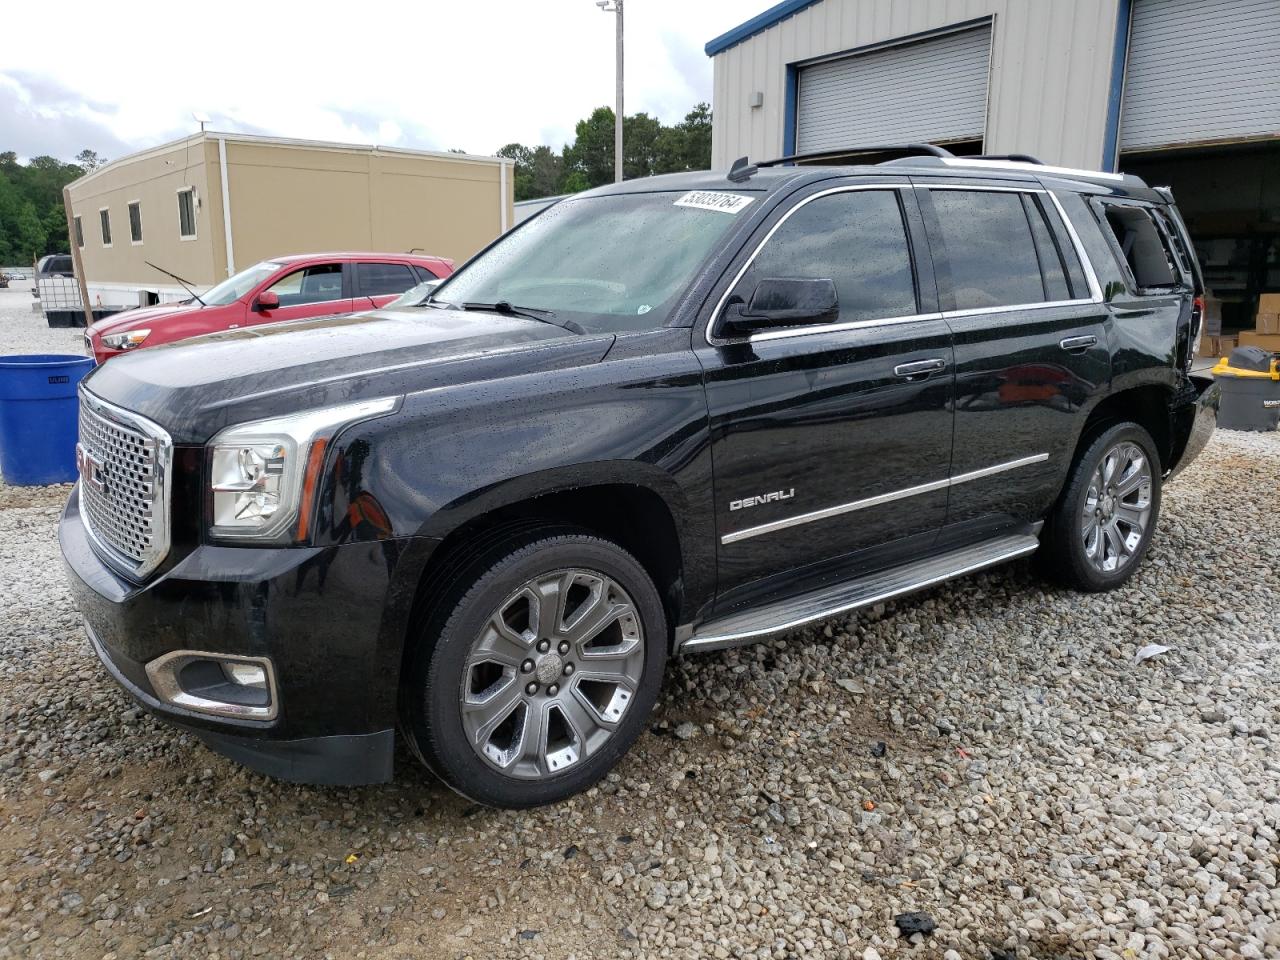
(1148, 405)
(644, 512)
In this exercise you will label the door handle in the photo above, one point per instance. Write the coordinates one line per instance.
(919, 368)
(1075, 344)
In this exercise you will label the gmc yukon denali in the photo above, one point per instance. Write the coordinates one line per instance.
(670, 415)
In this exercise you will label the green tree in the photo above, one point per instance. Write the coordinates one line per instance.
(591, 152)
(89, 160)
(697, 137)
(649, 148)
(32, 219)
(523, 158)
(640, 135)
(575, 181)
(546, 170)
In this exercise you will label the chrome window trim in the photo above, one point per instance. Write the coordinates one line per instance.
(1091, 278)
(842, 508)
(838, 327)
(1015, 308)
(985, 188)
(160, 508)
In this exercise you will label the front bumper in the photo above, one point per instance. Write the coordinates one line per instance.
(1194, 421)
(331, 620)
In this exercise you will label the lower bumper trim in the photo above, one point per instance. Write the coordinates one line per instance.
(335, 761)
(345, 760)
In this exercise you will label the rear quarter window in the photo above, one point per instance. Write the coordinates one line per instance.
(1140, 246)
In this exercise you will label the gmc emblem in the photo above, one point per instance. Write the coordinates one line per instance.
(89, 468)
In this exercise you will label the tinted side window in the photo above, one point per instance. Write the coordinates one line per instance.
(988, 246)
(424, 274)
(856, 239)
(1048, 252)
(1140, 245)
(1070, 258)
(312, 285)
(377, 279)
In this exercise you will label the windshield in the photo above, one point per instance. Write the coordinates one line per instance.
(609, 264)
(233, 288)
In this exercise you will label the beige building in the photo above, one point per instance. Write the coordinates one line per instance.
(214, 203)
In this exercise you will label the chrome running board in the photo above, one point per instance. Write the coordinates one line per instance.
(749, 626)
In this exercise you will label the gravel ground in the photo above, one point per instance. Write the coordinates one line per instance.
(986, 753)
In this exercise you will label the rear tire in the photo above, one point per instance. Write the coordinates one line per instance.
(538, 670)
(1101, 527)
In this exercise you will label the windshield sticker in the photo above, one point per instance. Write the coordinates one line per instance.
(712, 200)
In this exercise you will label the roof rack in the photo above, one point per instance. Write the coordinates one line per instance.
(907, 149)
(1015, 157)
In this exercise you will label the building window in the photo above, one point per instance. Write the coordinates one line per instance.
(135, 221)
(79, 233)
(104, 217)
(186, 213)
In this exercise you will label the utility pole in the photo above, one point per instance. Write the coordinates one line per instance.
(615, 7)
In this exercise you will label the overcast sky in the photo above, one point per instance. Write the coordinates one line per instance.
(434, 74)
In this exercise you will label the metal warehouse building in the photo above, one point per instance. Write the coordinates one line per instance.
(1181, 92)
(214, 203)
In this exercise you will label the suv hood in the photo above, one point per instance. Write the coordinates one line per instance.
(140, 317)
(193, 388)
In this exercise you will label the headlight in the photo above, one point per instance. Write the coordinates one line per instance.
(125, 341)
(263, 474)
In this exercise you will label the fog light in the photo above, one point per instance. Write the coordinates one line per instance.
(216, 683)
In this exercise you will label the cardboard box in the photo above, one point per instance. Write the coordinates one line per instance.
(1267, 320)
(1267, 341)
(1217, 347)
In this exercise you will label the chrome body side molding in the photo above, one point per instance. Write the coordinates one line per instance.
(835, 511)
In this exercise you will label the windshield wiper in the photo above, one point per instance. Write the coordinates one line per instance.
(185, 286)
(505, 308)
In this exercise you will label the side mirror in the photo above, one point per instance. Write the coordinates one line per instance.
(784, 302)
(266, 301)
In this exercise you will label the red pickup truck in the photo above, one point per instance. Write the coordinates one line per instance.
(283, 288)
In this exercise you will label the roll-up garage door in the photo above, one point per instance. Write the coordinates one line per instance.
(932, 90)
(1201, 70)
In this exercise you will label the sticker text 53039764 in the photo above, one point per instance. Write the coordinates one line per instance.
(714, 200)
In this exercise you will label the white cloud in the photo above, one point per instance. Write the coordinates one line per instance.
(461, 74)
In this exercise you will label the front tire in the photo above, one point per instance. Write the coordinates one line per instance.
(539, 671)
(1102, 525)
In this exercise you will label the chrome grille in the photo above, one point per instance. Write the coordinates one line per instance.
(124, 462)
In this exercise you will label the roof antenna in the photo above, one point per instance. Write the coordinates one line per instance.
(742, 170)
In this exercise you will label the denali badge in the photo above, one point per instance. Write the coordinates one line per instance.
(762, 498)
(89, 467)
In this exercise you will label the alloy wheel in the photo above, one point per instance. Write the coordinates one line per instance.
(552, 673)
(1117, 507)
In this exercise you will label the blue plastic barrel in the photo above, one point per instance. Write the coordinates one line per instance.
(39, 417)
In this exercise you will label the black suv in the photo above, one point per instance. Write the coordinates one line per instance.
(671, 415)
